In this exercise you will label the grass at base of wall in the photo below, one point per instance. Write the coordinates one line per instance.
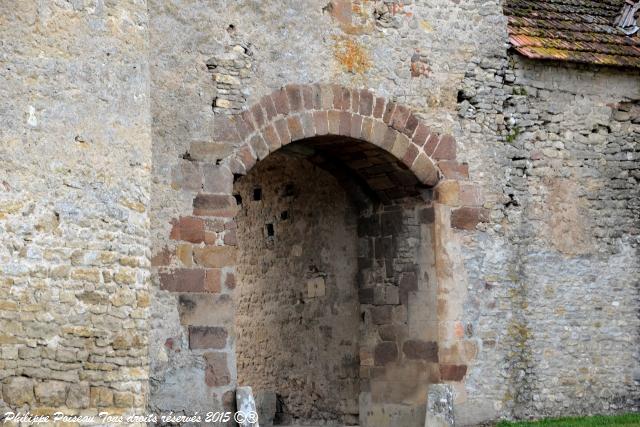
(627, 420)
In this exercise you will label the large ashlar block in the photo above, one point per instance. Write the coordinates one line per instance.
(246, 406)
(440, 406)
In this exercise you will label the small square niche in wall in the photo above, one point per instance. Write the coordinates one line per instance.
(257, 194)
(270, 230)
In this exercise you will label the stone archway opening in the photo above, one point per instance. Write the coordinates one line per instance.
(330, 236)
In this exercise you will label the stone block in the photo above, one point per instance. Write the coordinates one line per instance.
(207, 337)
(381, 315)
(425, 170)
(210, 152)
(385, 352)
(217, 179)
(315, 287)
(321, 122)
(266, 404)
(467, 218)
(295, 128)
(186, 176)
(282, 128)
(214, 205)
(188, 229)
(446, 148)
(379, 108)
(215, 256)
(268, 107)
(78, 396)
(453, 170)
(422, 350)
(216, 369)
(190, 280)
(270, 135)
(246, 405)
(439, 406)
(294, 95)
(281, 101)
(101, 396)
(452, 372)
(448, 192)
(18, 391)
(366, 103)
(259, 146)
(421, 135)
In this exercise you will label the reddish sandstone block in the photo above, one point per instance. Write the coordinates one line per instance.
(230, 238)
(333, 119)
(295, 128)
(432, 143)
(258, 115)
(453, 170)
(366, 101)
(446, 148)
(321, 122)
(247, 157)
(189, 229)
(283, 131)
(411, 125)
(162, 258)
(205, 337)
(410, 155)
(270, 135)
(212, 280)
(326, 97)
(452, 372)
(215, 256)
(421, 135)
(356, 126)
(467, 218)
(236, 166)
(400, 117)
(307, 97)
(183, 280)
(216, 370)
(269, 108)
(388, 112)
(367, 130)
(259, 146)
(230, 281)
(214, 205)
(280, 101)
(308, 127)
(209, 151)
(345, 124)
(421, 350)
(382, 136)
(385, 352)
(244, 125)
(379, 108)
(316, 91)
(294, 95)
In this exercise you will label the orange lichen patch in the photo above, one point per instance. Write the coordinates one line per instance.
(352, 56)
(567, 30)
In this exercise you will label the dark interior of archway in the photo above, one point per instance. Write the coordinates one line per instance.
(320, 231)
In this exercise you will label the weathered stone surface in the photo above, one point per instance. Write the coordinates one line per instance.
(18, 391)
(246, 405)
(440, 406)
(51, 393)
(207, 337)
(266, 405)
(217, 371)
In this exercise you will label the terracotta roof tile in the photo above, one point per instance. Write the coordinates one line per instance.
(571, 30)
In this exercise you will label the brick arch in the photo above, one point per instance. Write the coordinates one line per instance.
(300, 112)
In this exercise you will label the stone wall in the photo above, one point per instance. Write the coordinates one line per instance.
(553, 280)
(534, 276)
(297, 312)
(75, 160)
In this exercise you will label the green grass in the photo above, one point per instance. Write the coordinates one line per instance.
(628, 420)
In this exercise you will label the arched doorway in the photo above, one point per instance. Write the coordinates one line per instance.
(375, 164)
(330, 244)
